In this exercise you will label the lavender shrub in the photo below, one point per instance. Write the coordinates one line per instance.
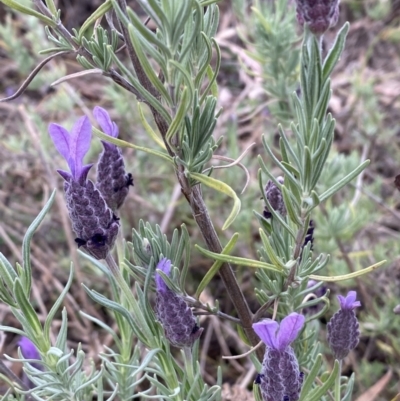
(173, 71)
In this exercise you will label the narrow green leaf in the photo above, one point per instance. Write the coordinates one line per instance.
(142, 93)
(124, 144)
(212, 75)
(51, 6)
(270, 251)
(288, 147)
(307, 170)
(311, 378)
(29, 11)
(285, 170)
(291, 207)
(7, 272)
(142, 29)
(12, 330)
(56, 306)
(185, 240)
(345, 180)
(179, 118)
(238, 261)
(116, 307)
(195, 28)
(223, 188)
(335, 52)
(147, 67)
(216, 266)
(202, 70)
(26, 278)
(156, 138)
(348, 276)
(349, 389)
(27, 309)
(317, 393)
(98, 13)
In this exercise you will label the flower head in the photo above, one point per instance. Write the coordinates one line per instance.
(319, 15)
(173, 312)
(165, 266)
(112, 180)
(275, 198)
(343, 328)
(73, 146)
(94, 223)
(280, 377)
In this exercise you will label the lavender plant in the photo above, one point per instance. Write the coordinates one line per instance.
(171, 71)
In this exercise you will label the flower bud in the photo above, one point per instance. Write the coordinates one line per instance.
(112, 180)
(343, 332)
(319, 15)
(275, 198)
(29, 351)
(174, 314)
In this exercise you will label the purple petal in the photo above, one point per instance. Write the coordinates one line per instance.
(28, 348)
(115, 130)
(103, 118)
(61, 139)
(81, 135)
(289, 329)
(350, 301)
(266, 330)
(165, 266)
(65, 174)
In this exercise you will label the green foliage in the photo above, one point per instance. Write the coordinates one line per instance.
(174, 73)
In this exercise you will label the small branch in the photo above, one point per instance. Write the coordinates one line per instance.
(259, 314)
(121, 81)
(208, 311)
(258, 346)
(195, 199)
(77, 75)
(143, 79)
(32, 75)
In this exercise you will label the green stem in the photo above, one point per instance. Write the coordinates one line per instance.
(337, 383)
(120, 280)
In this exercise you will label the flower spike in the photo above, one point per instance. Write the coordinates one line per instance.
(280, 378)
(94, 223)
(112, 180)
(174, 314)
(343, 331)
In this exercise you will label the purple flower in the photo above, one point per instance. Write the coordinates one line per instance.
(174, 314)
(350, 301)
(343, 329)
(28, 348)
(275, 198)
(112, 180)
(73, 147)
(319, 15)
(29, 351)
(93, 221)
(165, 266)
(280, 377)
(103, 118)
